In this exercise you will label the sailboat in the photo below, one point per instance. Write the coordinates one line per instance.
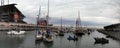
(61, 31)
(39, 33)
(48, 36)
(16, 30)
(78, 30)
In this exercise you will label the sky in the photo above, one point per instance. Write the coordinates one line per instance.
(92, 12)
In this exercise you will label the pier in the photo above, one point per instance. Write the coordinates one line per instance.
(22, 26)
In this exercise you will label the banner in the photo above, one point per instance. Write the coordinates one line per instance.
(16, 16)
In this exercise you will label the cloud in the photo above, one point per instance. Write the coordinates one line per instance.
(55, 20)
(93, 12)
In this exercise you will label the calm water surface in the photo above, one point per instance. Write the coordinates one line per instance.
(28, 41)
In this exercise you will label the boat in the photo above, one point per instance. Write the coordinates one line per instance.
(78, 31)
(101, 40)
(56, 33)
(16, 30)
(39, 36)
(75, 38)
(108, 36)
(39, 33)
(61, 31)
(72, 38)
(48, 36)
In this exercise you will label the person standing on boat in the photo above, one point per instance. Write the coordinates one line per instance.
(48, 33)
(39, 32)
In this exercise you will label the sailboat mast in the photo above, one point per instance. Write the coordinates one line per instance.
(47, 17)
(8, 1)
(38, 16)
(61, 22)
(2, 2)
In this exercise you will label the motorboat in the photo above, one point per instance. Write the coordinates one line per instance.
(72, 38)
(101, 40)
(13, 32)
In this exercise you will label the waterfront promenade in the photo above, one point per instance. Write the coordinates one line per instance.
(113, 34)
(8, 25)
(23, 26)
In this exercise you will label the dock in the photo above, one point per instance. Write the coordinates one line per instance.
(7, 26)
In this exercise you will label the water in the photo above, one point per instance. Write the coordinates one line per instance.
(17, 41)
(28, 41)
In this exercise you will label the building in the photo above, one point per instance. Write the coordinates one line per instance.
(9, 13)
(42, 22)
(113, 27)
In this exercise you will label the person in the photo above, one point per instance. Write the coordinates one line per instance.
(39, 32)
(70, 38)
(75, 38)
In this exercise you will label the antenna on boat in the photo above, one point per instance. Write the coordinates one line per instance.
(61, 22)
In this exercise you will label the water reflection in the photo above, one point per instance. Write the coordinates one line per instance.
(11, 41)
(16, 36)
(40, 44)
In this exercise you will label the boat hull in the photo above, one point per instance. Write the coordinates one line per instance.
(79, 33)
(15, 32)
(101, 40)
(48, 39)
(39, 38)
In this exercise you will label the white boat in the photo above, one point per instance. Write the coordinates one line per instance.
(16, 32)
(56, 33)
(48, 36)
(48, 39)
(39, 35)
